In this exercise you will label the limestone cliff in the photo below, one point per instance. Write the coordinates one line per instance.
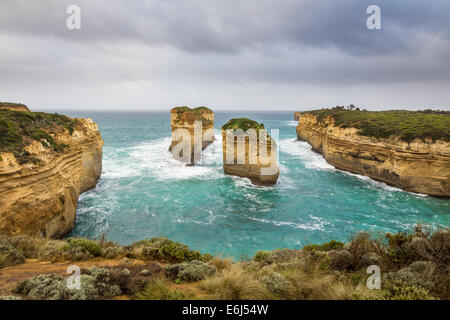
(421, 165)
(44, 170)
(252, 155)
(296, 116)
(198, 126)
(14, 106)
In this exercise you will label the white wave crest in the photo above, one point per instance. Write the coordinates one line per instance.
(304, 152)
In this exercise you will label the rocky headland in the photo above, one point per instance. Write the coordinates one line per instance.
(257, 160)
(198, 124)
(408, 150)
(46, 162)
(14, 106)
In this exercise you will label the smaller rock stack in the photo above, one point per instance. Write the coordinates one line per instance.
(192, 132)
(248, 151)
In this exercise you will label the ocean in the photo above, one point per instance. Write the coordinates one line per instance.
(144, 193)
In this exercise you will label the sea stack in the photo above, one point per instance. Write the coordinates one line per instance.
(192, 132)
(297, 116)
(46, 162)
(249, 152)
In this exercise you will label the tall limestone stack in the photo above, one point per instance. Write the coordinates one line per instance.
(192, 132)
(249, 152)
(46, 162)
(419, 165)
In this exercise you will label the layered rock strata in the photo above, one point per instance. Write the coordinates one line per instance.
(249, 152)
(40, 185)
(421, 166)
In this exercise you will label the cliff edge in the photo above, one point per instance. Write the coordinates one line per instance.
(414, 155)
(46, 162)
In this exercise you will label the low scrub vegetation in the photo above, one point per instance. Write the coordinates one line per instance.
(414, 265)
(408, 125)
(18, 129)
(242, 123)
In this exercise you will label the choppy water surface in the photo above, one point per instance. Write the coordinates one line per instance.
(143, 193)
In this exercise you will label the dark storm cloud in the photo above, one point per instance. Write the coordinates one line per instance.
(228, 26)
(221, 45)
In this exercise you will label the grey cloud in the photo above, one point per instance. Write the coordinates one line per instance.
(252, 51)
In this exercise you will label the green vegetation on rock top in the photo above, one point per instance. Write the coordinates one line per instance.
(242, 123)
(18, 129)
(12, 105)
(194, 110)
(408, 125)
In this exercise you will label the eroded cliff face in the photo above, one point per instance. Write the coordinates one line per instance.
(418, 166)
(183, 120)
(39, 198)
(259, 166)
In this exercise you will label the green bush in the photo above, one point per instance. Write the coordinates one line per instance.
(9, 255)
(261, 256)
(190, 271)
(327, 246)
(163, 249)
(93, 285)
(242, 123)
(158, 290)
(86, 245)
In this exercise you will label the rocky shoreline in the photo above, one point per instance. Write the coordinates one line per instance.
(421, 166)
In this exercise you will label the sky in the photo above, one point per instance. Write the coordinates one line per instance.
(225, 54)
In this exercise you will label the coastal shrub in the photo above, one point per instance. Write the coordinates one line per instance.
(314, 285)
(277, 284)
(51, 251)
(112, 252)
(132, 279)
(221, 263)
(18, 129)
(327, 246)
(158, 290)
(9, 255)
(261, 256)
(79, 246)
(93, 285)
(407, 125)
(190, 271)
(397, 290)
(163, 249)
(26, 245)
(234, 284)
(242, 123)
(340, 260)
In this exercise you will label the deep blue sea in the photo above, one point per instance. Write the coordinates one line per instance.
(144, 193)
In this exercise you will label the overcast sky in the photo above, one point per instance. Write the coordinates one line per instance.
(226, 54)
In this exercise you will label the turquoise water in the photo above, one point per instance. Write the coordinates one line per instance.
(144, 193)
